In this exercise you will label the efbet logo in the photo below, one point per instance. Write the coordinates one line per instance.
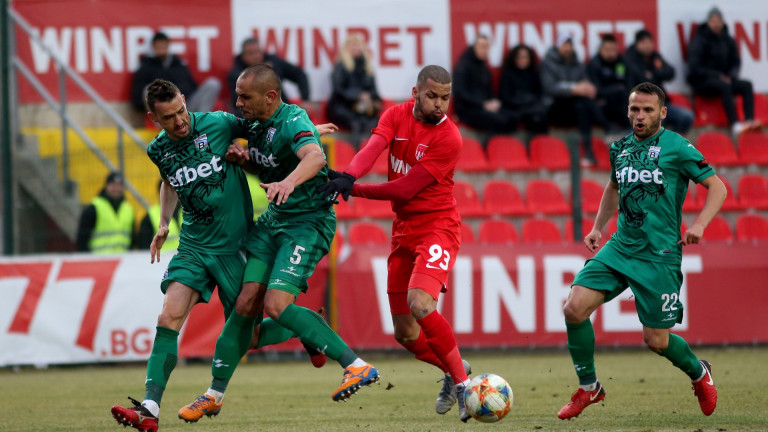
(262, 159)
(630, 175)
(186, 175)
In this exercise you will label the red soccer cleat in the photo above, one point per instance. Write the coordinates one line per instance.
(705, 390)
(316, 357)
(580, 400)
(137, 417)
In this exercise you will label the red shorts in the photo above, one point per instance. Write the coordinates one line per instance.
(423, 253)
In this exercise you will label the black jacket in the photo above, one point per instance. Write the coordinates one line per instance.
(88, 222)
(558, 75)
(283, 69)
(347, 85)
(520, 89)
(711, 55)
(642, 69)
(472, 83)
(172, 69)
(609, 77)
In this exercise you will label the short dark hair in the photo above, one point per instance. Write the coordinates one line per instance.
(160, 36)
(436, 73)
(160, 90)
(264, 75)
(608, 37)
(650, 88)
(643, 34)
(248, 41)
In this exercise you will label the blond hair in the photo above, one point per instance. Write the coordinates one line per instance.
(346, 59)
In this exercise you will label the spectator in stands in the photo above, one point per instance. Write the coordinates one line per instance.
(151, 222)
(569, 94)
(520, 89)
(106, 225)
(162, 64)
(646, 64)
(251, 54)
(608, 72)
(355, 103)
(713, 70)
(473, 97)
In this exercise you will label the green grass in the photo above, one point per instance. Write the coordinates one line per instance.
(644, 392)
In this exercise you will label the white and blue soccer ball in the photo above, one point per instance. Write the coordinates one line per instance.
(488, 398)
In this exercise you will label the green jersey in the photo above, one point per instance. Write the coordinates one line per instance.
(273, 145)
(652, 177)
(216, 204)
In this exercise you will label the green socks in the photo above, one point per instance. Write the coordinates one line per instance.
(272, 333)
(679, 353)
(581, 345)
(231, 346)
(165, 352)
(312, 329)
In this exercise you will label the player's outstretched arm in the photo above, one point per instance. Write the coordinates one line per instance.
(608, 204)
(168, 200)
(716, 193)
(312, 161)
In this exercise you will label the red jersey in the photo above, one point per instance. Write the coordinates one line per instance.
(436, 147)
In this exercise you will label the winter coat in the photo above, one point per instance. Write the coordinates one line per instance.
(711, 55)
(558, 76)
(472, 83)
(172, 68)
(640, 67)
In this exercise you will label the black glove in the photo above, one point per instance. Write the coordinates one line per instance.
(340, 184)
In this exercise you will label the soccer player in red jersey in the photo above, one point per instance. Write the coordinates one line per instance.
(424, 146)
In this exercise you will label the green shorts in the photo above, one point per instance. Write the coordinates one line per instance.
(204, 272)
(656, 286)
(283, 254)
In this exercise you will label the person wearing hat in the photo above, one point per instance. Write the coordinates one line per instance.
(106, 225)
(644, 63)
(569, 94)
(713, 71)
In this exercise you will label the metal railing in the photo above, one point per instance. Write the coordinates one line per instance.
(60, 107)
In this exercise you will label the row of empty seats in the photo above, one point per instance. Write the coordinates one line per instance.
(748, 227)
(710, 112)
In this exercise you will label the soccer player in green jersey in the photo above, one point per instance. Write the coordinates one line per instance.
(651, 169)
(288, 241)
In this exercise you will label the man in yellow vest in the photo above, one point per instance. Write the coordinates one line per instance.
(106, 225)
(150, 223)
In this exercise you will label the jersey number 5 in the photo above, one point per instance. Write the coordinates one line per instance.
(296, 258)
(435, 253)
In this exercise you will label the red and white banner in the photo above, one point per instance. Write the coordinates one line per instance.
(104, 39)
(83, 309)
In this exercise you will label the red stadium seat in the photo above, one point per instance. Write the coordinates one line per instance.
(709, 111)
(467, 235)
(503, 198)
(495, 231)
(544, 196)
(364, 233)
(508, 154)
(761, 108)
(751, 227)
(679, 99)
(718, 231)
(717, 148)
(692, 202)
(550, 153)
(730, 202)
(472, 158)
(753, 148)
(345, 209)
(753, 191)
(538, 230)
(586, 227)
(467, 201)
(602, 153)
(375, 209)
(380, 166)
(591, 193)
(342, 152)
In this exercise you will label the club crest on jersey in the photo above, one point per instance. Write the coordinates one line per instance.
(420, 150)
(271, 133)
(201, 142)
(653, 152)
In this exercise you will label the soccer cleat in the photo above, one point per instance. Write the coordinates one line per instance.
(580, 400)
(460, 394)
(446, 398)
(354, 378)
(705, 390)
(316, 357)
(137, 417)
(202, 406)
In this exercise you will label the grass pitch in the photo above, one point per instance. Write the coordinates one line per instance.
(643, 393)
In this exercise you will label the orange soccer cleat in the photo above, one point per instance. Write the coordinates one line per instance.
(202, 406)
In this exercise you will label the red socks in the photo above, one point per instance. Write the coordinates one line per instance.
(440, 338)
(421, 349)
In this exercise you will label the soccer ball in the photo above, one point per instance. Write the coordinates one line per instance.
(488, 398)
